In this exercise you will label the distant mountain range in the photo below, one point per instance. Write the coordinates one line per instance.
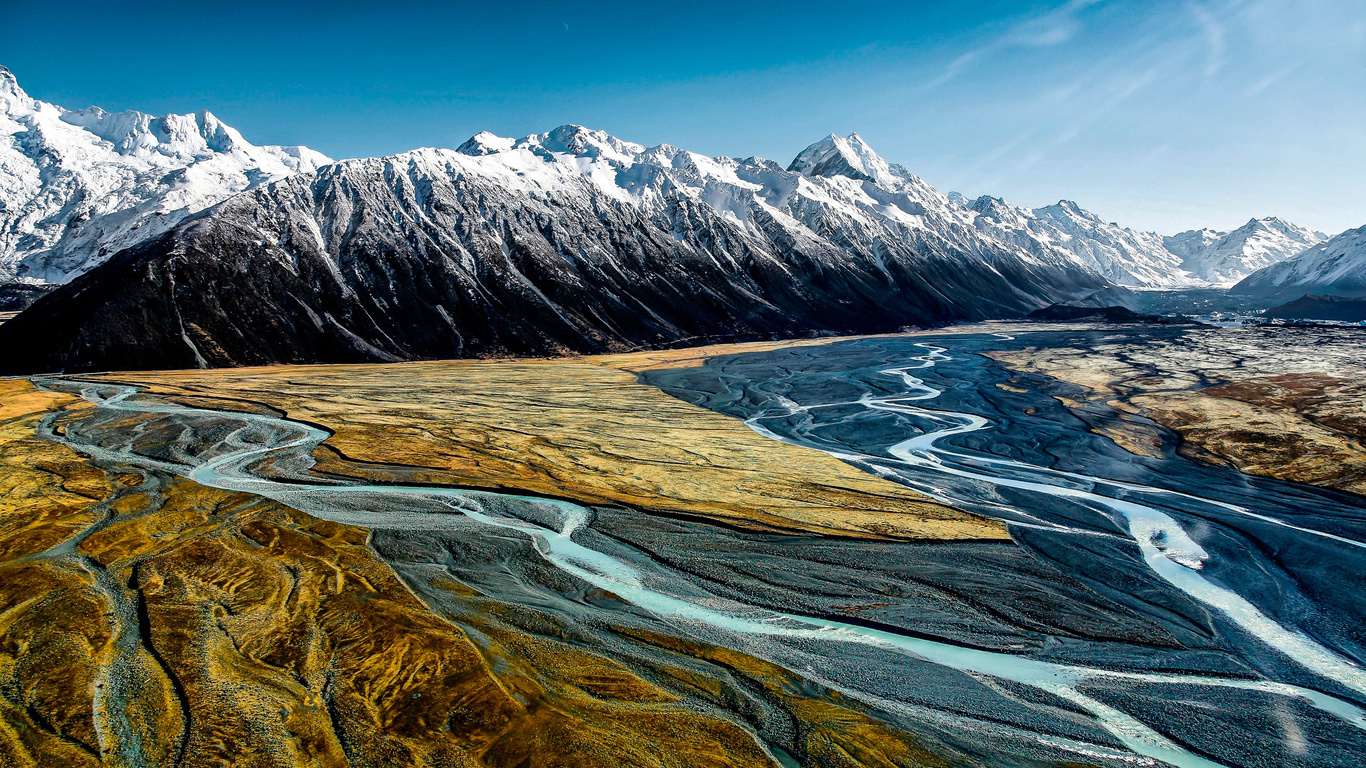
(1195, 259)
(181, 244)
(1336, 267)
(1224, 258)
(78, 186)
(1121, 255)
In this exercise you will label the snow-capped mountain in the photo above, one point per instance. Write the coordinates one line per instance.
(1122, 255)
(1224, 258)
(1194, 259)
(851, 157)
(570, 240)
(78, 186)
(1336, 267)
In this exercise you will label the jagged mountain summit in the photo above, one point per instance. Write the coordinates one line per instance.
(1195, 259)
(78, 186)
(1122, 255)
(851, 157)
(1336, 267)
(1224, 258)
(566, 241)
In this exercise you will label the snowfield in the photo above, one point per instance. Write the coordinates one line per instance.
(1336, 268)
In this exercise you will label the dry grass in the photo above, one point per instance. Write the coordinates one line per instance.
(204, 627)
(47, 489)
(575, 429)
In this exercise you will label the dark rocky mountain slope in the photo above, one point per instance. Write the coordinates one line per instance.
(570, 241)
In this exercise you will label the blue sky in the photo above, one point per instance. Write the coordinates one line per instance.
(1165, 114)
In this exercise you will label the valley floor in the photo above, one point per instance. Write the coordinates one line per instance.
(725, 556)
(1282, 402)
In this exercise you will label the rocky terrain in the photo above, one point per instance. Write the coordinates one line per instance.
(554, 563)
(196, 626)
(156, 621)
(1218, 568)
(1277, 402)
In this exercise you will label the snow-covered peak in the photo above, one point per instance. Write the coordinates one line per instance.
(567, 140)
(847, 156)
(183, 136)
(1274, 227)
(585, 142)
(995, 207)
(1336, 266)
(838, 182)
(78, 185)
(1224, 258)
(485, 143)
(1202, 257)
(12, 97)
(1122, 255)
(1195, 241)
(1069, 210)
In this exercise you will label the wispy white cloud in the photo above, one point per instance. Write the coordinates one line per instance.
(1155, 94)
(1055, 27)
(955, 67)
(991, 160)
(1052, 28)
(1123, 90)
(1213, 31)
(1266, 82)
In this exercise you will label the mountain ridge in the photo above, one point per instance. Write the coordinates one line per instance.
(122, 178)
(567, 241)
(1335, 267)
(1137, 259)
(80, 185)
(562, 242)
(1224, 258)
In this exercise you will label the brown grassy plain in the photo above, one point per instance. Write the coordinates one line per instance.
(580, 429)
(153, 619)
